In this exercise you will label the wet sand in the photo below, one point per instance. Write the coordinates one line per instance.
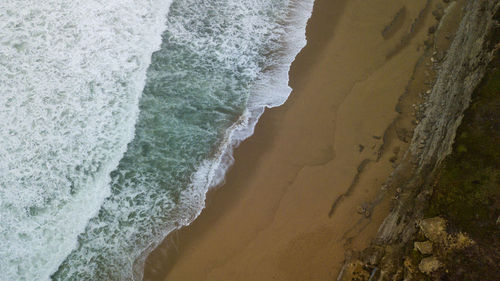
(296, 198)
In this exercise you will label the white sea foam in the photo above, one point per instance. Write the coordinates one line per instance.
(271, 89)
(71, 74)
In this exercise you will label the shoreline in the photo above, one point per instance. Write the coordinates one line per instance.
(271, 217)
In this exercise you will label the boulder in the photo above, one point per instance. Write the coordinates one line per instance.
(354, 271)
(425, 248)
(434, 228)
(429, 265)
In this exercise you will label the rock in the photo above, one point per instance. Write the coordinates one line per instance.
(438, 14)
(361, 147)
(429, 265)
(389, 263)
(440, 56)
(403, 134)
(434, 228)
(425, 248)
(432, 29)
(398, 109)
(354, 271)
(367, 214)
(373, 255)
(360, 210)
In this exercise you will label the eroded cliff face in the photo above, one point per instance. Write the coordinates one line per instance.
(460, 73)
(458, 76)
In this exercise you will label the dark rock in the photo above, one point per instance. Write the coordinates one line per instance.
(403, 134)
(361, 147)
(432, 29)
(438, 14)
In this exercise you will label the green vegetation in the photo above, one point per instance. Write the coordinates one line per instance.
(467, 189)
(467, 192)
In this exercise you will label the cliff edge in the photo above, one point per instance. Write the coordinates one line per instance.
(408, 245)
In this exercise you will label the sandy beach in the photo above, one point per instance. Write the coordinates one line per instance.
(297, 198)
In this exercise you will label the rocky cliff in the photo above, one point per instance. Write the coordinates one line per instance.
(459, 74)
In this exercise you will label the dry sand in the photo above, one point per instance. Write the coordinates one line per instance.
(273, 218)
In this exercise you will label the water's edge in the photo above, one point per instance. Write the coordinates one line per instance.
(271, 90)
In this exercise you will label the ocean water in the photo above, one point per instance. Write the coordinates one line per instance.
(117, 116)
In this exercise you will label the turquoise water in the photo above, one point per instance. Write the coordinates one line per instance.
(219, 65)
